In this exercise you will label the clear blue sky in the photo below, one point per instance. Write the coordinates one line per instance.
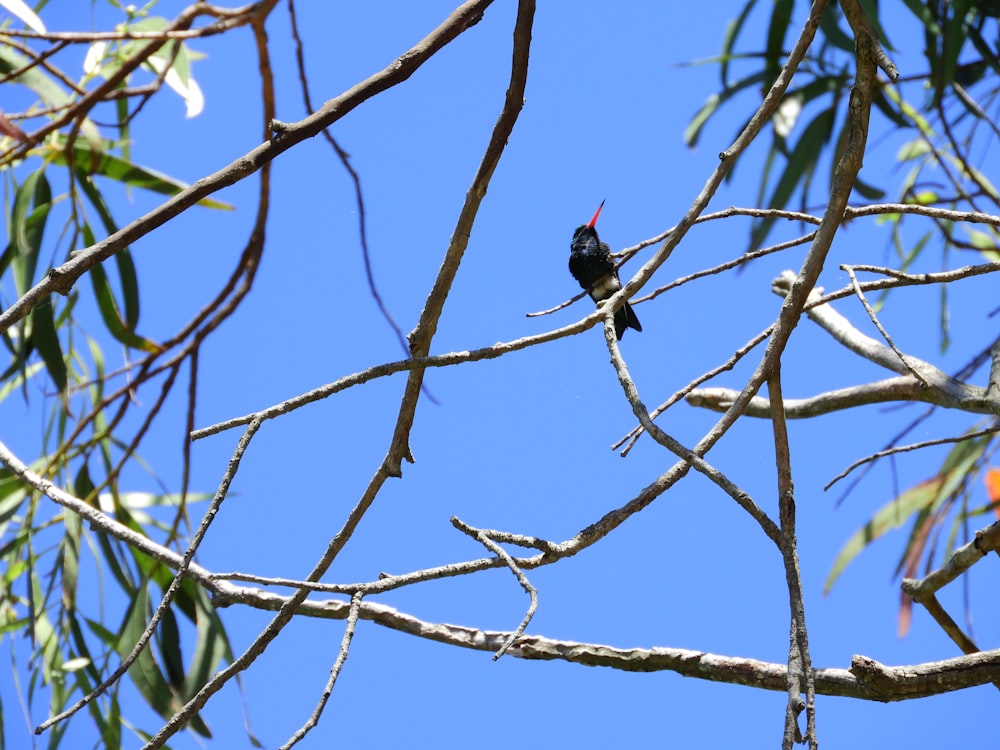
(520, 443)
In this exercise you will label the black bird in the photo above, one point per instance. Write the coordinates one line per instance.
(591, 264)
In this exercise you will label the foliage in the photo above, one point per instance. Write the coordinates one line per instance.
(944, 112)
(56, 179)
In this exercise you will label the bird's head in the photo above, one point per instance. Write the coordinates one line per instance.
(585, 237)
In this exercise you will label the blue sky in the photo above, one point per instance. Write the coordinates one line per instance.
(521, 443)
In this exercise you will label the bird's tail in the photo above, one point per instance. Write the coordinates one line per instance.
(626, 318)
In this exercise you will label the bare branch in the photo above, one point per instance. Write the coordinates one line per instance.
(457, 22)
(420, 337)
(62, 278)
(182, 569)
(907, 448)
(885, 334)
(933, 386)
(986, 541)
(924, 591)
(800, 678)
(689, 458)
(338, 665)
(909, 682)
(484, 537)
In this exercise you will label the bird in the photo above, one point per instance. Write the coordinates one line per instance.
(592, 266)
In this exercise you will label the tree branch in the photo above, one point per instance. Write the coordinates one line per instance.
(61, 278)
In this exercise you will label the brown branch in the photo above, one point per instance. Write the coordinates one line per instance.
(913, 370)
(62, 278)
(689, 458)
(924, 591)
(909, 682)
(421, 336)
(458, 21)
(800, 677)
(729, 364)
(895, 683)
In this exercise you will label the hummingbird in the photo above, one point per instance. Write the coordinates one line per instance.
(591, 264)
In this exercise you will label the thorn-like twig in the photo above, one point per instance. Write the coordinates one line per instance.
(486, 538)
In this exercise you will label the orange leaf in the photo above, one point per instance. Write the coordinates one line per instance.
(993, 487)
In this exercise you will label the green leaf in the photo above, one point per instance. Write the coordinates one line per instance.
(945, 321)
(984, 242)
(920, 9)
(869, 192)
(212, 646)
(151, 683)
(9, 384)
(952, 44)
(908, 111)
(112, 317)
(181, 65)
(920, 500)
(170, 649)
(46, 340)
(801, 163)
(988, 59)
(83, 649)
(781, 17)
(693, 131)
(891, 516)
(146, 676)
(980, 180)
(884, 106)
(152, 23)
(123, 258)
(35, 77)
(729, 41)
(32, 202)
(12, 495)
(830, 26)
(120, 170)
(69, 562)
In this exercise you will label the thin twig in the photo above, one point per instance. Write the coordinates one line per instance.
(885, 334)
(688, 457)
(484, 537)
(220, 494)
(338, 665)
(421, 336)
(633, 436)
(345, 160)
(907, 448)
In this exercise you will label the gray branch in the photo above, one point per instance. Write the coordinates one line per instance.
(941, 389)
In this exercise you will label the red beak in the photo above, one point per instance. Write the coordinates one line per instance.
(598, 213)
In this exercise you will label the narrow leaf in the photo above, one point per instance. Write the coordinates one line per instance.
(46, 341)
(126, 172)
(801, 163)
(729, 41)
(111, 316)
